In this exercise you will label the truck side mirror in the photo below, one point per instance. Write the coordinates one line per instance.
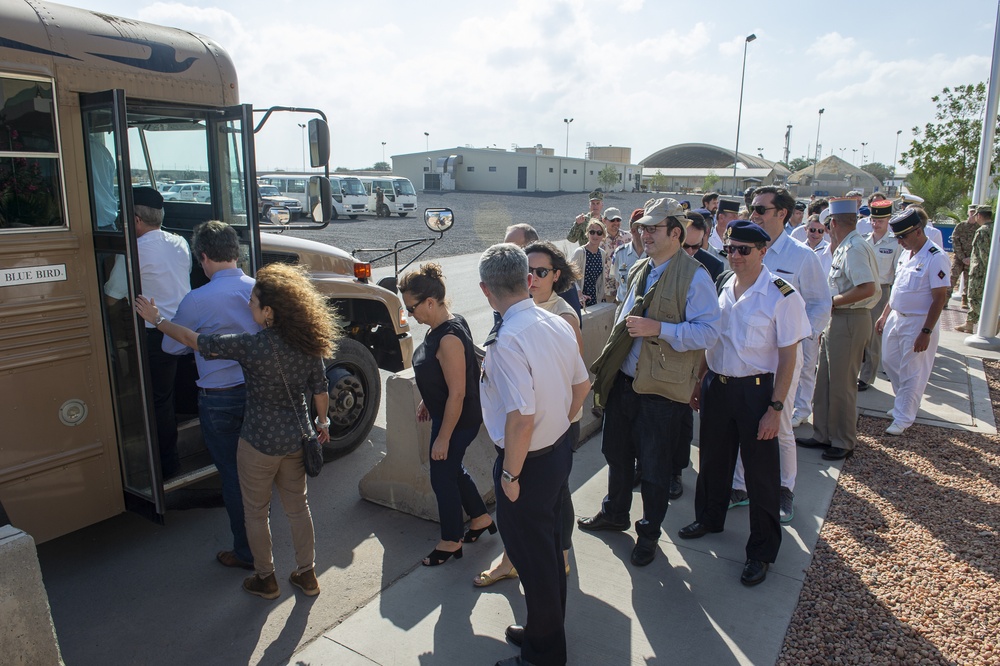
(439, 219)
(320, 198)
(319, 143)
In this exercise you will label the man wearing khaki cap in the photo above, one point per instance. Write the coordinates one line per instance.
(853, 279)
(614, 239)
(647, 371)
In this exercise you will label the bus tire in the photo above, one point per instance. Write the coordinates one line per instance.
(353, 217)
(403, 214)
(355, 393)
(385, 211)
(333, 215)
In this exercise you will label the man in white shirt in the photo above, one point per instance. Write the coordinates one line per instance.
(887, 251)
(165, 275)
(750, 372)
(726, 213)
(533, 382)
(625, 256)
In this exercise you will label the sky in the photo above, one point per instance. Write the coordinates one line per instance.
(638, 73)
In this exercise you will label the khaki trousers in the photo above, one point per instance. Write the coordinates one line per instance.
(835, 404)
(258, 473)
(873, 350)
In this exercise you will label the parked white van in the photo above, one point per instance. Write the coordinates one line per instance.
(399, 197)
(349, 196)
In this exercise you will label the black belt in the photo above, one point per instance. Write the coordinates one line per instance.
(852, 311)
(752, 379)
(222, 390)
(531, 454)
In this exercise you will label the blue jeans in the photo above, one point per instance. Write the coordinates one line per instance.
(454, 488)
(221, 413)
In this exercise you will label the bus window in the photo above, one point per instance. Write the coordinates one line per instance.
(296, 186)
(30, 191)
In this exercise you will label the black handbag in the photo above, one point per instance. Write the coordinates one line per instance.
(312, 450)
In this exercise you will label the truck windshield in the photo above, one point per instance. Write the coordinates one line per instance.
(268, 190)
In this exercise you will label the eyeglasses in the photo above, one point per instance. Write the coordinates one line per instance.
(651, 229)
(595, 232)
(816, 231)
(696, 246)
(540, 271)
(413, 308)
(904, 234)
(760, 210)
(742, 250)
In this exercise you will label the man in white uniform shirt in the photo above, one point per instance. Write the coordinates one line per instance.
(798, 265)
(533, 382)
(726, 213)
(909, 321)
(165, 276)
(887, 251)
(750, 370)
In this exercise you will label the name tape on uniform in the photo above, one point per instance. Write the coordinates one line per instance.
(10, 277)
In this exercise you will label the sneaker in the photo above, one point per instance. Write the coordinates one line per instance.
(738, 498)
(895, 429)
(787, 511)
(799, 420)
(266, 587)
(305, 581)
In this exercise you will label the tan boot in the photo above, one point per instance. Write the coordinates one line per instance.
(266, 587)
(305, 581)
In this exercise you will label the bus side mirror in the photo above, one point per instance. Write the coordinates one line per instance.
(439, 219)
(320, 198)
(319, 143)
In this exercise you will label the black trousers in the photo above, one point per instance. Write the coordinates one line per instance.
(532, 536)
(730, 415)
(163, 372)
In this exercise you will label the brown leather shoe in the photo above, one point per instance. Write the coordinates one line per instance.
(305, 581)
(227, 558)
(266, 587)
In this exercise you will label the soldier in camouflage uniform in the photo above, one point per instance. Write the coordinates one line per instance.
(578, 232)
(961, 241)
(977, 267)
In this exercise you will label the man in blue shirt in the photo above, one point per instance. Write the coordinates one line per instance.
(221, 306)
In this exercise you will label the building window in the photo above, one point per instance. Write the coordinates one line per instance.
(591, 172)
(470, 168)
(492, 169)
(565, 170)
(551, 170)
(427, 168)
(574, 171)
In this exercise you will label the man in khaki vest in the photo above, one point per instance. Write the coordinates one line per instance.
(647, 371)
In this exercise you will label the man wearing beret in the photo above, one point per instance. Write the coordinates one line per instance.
(887, 251)
(165, 274)
(853, 283)
(909, 321)
(748, 374)
(646, 373)
(578, 232)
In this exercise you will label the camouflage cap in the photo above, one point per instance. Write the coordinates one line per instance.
(597, 194)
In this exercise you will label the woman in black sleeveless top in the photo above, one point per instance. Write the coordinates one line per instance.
(447, 374)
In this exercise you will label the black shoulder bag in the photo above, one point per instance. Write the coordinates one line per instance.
(312, 450)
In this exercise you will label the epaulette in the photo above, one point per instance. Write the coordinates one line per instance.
(784, 287)
(933, 249)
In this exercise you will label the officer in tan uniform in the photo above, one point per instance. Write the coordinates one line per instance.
(853, 285)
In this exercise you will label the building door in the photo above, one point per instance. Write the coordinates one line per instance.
(522, 177)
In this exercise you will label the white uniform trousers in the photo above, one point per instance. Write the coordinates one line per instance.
(787, 453)
(908, 370)
(807, 377)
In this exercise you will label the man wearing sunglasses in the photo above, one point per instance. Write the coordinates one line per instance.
(726, 213)
(614, 239)
(646, 373)
(887, 251)
(853, 279)
(798, 265)
(752, 366)
(908, 322)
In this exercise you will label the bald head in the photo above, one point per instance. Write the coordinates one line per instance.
(521, 235)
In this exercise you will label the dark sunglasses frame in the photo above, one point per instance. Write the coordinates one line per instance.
(760, 210)
(540, 271)
(742, 250)
(595, 232)
(413, 308)
(821, 230)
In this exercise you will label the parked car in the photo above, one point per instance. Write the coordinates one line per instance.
(186, 192)
(269, 197)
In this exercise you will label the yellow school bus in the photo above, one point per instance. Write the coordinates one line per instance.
(90, 106)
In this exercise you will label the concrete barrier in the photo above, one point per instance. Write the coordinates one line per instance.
(27, 635)
(401, 480)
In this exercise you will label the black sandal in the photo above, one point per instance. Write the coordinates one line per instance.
(440, 557)
(472, 536)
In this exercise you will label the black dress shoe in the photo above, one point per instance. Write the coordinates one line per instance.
(695, 530)
(837, 453)
(601, 522)
(515, 634)
(811, 443)
(514, 661)
(643, 554)
(754, 573)
(862, 386)
(676, 488)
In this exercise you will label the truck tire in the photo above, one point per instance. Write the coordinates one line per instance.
(353, 217)
(403, 214)
(263, 214)
(355, 393)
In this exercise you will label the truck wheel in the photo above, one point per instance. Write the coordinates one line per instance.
(263, 215)
(355, 392)
(353, 217)
(403, 214)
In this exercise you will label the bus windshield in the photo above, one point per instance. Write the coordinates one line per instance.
(352, 186)
(404, 187)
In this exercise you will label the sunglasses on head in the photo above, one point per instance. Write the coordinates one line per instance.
(540, 271)
(742, 250)
(595, 232)
(760, 210)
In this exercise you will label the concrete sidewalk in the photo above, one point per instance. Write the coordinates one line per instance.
(686, 607)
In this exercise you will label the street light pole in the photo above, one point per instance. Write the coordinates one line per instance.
(816, 160)
(302, 126)
(383, 152)
(895, 153)
(788, 141)
(854, 159)
(863, 145)
(567, 121)
(427, 141)
(739, 114)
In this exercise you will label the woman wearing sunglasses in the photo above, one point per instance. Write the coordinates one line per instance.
(816, 239)
(589, 261)
(447, 375)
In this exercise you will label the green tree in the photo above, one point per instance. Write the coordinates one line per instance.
(659, 180)
(940, 191)
(879, 170)
(711, 180)
(608, 177)
(951, 145)
(800, 163)
(381, 166)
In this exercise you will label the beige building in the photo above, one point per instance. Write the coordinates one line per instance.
(701, 167)
(495, 170)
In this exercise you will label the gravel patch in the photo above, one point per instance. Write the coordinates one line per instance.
(907, 564)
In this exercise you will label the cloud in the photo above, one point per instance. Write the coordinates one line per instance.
(832, 44)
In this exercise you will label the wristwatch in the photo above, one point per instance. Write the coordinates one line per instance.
(509, 478)
(159, 320)
(926, 331)
(777, 405)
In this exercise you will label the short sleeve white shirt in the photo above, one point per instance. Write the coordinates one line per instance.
(928, 269)
(164, 270)
(887, 251)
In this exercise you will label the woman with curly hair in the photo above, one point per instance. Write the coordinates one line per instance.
(282, 364)
(447, 374)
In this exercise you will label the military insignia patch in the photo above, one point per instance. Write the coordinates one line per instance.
(941, 274)
(783, 287)
(934, 250)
